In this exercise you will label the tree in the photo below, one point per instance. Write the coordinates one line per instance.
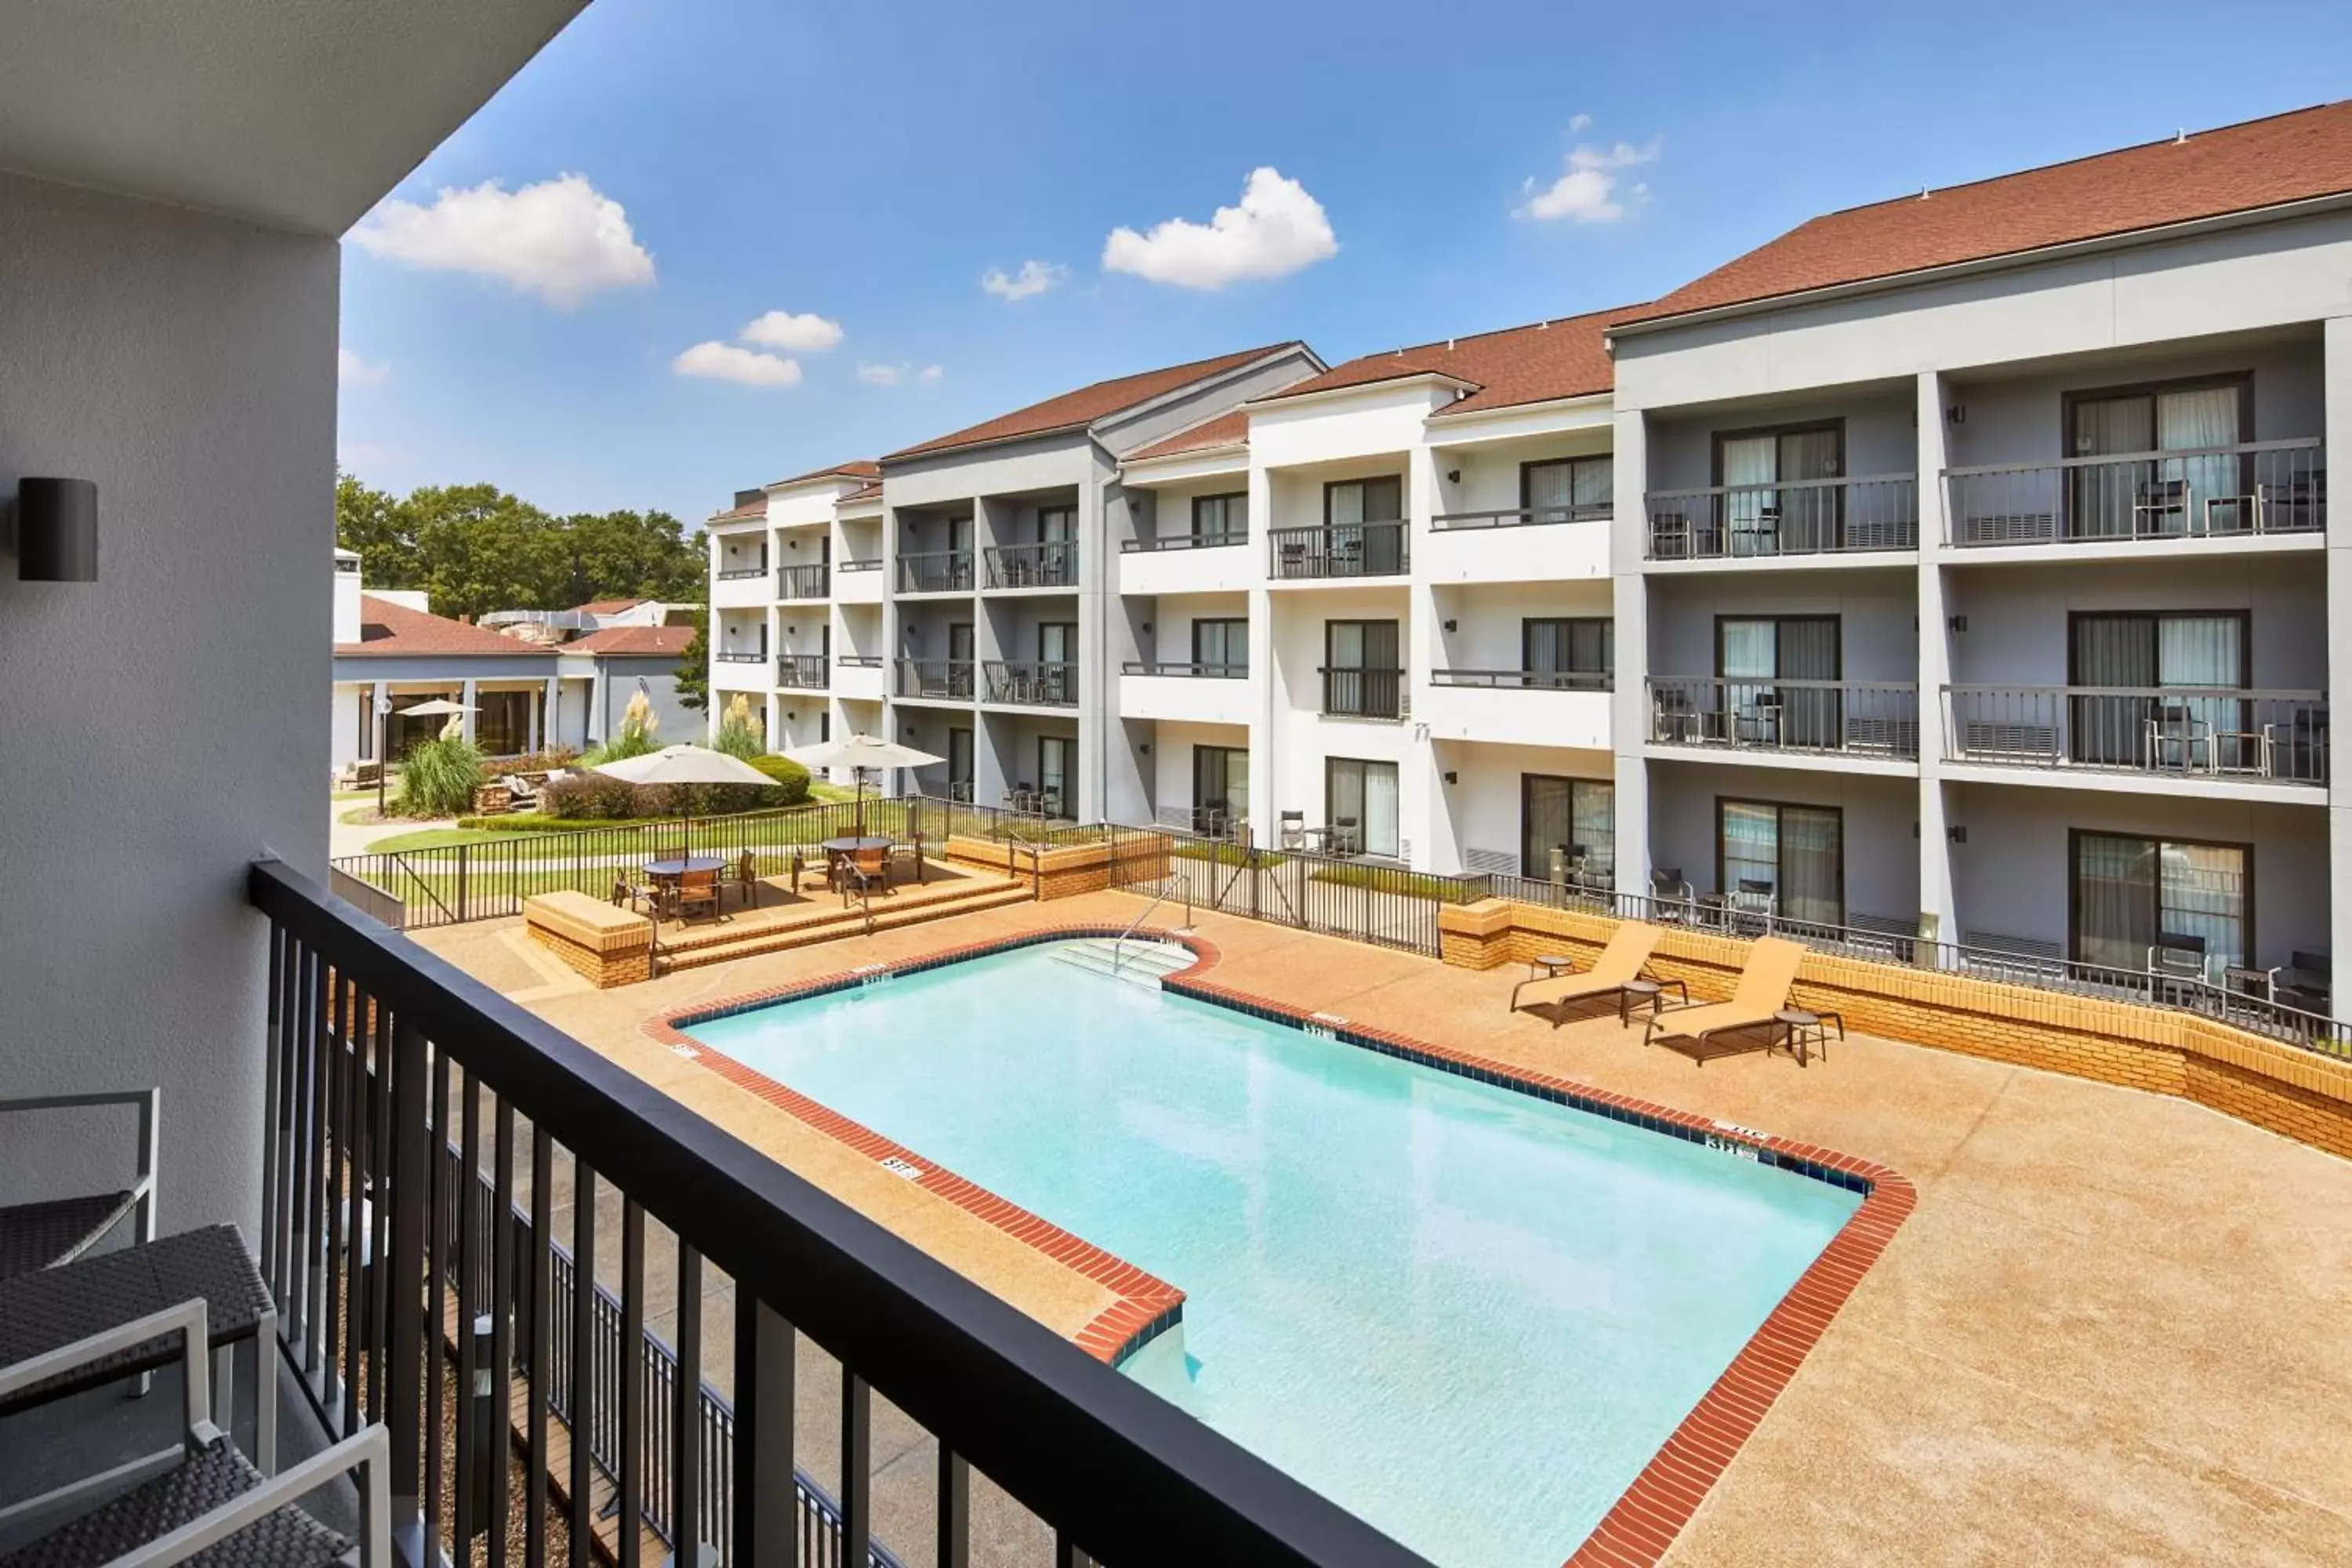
(694, 666)
(375, 523)
(481, 550)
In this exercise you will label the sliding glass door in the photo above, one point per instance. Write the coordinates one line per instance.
(2158, 496)
(1057, 774)
(2128, 890)
(1753, 653)
(1362, 677)
(1220, 786)
(1576, 819)
(1360, 803)
(1349, 505)
(1765, 522)
(1794, 854)
(1578, 652)
(959, 764)
(2148, 654)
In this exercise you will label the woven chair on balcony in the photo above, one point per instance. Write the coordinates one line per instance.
(200, 1499)
(51, 1231)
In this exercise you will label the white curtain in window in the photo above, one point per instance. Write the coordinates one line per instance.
(2203, 417)
(2114, 900)
(2202, 892)
(1595, 485)
(1347, 504)
(1813, 864)
(1751, 845)
(1550, 490)
(1749, 461)
(1380, 808)
(2101, 496)
(1595, 826)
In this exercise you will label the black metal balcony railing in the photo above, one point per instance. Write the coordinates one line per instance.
(1185, 666)
(1794, 517)
(802, 582)
(936, 572)
(1858, 718)
(874, 565)
(805, 670)
(2204, 732)
(1035, 683)
(742, 656)
(1363, 693)
(1524, 516)
(943, 677)
(1529, 680)
(381, 1057)
(1341, 550)
(2212, 492)
(1185, 542)
(1051, 565)
(859, 660)
(758, 569)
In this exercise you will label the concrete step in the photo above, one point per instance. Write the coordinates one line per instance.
(850, 923)
(1142, 962)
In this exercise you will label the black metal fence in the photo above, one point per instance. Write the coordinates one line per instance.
(1337, 895)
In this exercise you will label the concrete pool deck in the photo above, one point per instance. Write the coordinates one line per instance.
(2108, 1330)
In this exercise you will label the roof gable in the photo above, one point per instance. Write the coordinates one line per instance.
(1076, 410)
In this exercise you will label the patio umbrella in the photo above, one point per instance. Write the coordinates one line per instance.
(859, 754)
(684, 764)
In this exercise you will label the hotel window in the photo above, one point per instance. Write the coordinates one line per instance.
(1578, 652)
(1056, 524)
(1753, 655)
(1347, 504)
(959, 764)
(1221, 520)
(1794, 853)
(1219, 788)
(1362, 678)
(502, 728)
(2161, 496)
(1221, 647)
(1360, 803)
(1568, 490)
(2194, 652)
(1057, 774)
(1763, 521)
(1576, 818)
(2127, 890)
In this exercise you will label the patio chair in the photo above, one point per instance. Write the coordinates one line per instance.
(1293, 830)
(747, 877)
(1620, 964)
(698, 891)
(2175, 960)
(522, 795)
(58, 1230)
(1673, 899)
(863, 872)
(1763, 990)
(2161, 507)
(2306, 981)
(200, 1498)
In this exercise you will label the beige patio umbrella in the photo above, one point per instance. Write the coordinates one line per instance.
(684, 764)
(859, 754)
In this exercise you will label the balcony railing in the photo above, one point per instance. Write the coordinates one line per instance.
(1341, 550)
(1363, 693)
(936, 572)
(1185, 542)
(2211, 492)
(1528, 679)
(804, 670)
(874, 565)
(1033, 682)
(738, 656)
(2203, 731)
(1524, 516)
(1794, 517)
(733, 573)
(383, 1062)
(1857, 718)
(1183, 667)
(859, 660)
(800, 582)
(1051, 565)
(941, 677)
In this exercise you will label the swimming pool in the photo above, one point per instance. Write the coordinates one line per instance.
(1469, 1315)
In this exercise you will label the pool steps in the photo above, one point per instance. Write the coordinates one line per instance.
(1139, 962)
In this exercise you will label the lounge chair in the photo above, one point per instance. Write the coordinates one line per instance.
(58, 1230)
(1763, 991)
(200, 1497)
(1620, 963)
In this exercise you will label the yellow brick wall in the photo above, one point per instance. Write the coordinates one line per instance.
(2290, 1091)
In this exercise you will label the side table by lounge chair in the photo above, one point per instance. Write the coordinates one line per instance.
(58, 1230)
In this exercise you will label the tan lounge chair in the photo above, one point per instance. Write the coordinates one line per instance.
(1763, 991)
(1620, 962)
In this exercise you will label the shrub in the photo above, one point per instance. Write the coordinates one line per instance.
(789, 774)
(587, 794)
(438, 777)
(740, 731)
(596, 796)
(635, 736)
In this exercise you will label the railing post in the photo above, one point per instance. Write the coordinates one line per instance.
(411, 1167)
(767, 1513)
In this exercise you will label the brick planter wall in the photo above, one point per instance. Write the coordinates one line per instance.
(1070, 870)
(611, 946)
(2290, 1091)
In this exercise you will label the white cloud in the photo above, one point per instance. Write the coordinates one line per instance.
(809, 333)
(1277, 229)
(560, 239)
(899, 375)
(1576, 122)
(1034, 277)
(716, 361)
(353, 371)
(1588, 188)
(352, 456)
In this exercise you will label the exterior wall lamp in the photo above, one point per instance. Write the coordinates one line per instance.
(57, 531)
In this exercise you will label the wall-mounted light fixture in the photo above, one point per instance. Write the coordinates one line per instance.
(1958, 413)
(1957, 835)
(1958, 623)
(1147, 625)
(57, 531)
(1145, 749)
(1451, 625)
(1452, 777)
(1453, 475)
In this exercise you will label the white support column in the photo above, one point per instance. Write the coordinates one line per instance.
(1421, 797)
(597, 693)
(469, 698)
(551, 723)
(1628, 709)
(2338, 394)
(1938, 910)
(1266, 731)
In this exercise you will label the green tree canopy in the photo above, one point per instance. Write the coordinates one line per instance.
(474, 549)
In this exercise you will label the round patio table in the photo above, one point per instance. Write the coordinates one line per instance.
(662, 869)
(852, 846)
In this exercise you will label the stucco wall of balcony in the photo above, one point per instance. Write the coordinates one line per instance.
(1514, 716)
(1185, 699)
(1206, 570)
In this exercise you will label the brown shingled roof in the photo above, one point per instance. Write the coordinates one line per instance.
(1076, 410)
(607, 607)
(1226, 430)
(861, 468)
(2258, 163)
(749, 510)
(390, 630)
(1565, 358)
(670, 640)
(863, 493)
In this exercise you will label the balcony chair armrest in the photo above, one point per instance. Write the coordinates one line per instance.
(368, 1452)
(150, 1102)
(189, 1320)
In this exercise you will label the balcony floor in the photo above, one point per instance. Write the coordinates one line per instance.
(2057, 1359)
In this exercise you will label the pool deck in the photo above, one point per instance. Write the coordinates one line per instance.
(2112, 1330)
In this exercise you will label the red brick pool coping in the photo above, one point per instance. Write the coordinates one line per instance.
(1642, 1525)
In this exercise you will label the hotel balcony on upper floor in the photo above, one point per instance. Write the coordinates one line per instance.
(1374, 549)
(1187, 564)
(1048, 564)
(2242, 490)
(802, 671)
(2181, 734)
(859, 678)
(857, 582)
(1186, 692)
(1030, 683)
(936, 572)
(809, 582)
(1518, 544)
(1784, 518)
(742, 584)
(1751, 720)
(935, 679)
(1518, 707)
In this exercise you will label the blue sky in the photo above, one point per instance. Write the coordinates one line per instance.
(869, 162)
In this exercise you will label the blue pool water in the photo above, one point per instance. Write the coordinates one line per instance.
(1466, 1315)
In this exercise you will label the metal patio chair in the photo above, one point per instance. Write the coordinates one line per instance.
(51, 1231)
